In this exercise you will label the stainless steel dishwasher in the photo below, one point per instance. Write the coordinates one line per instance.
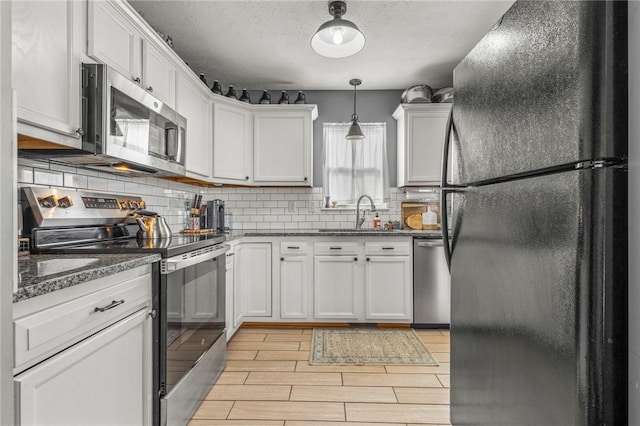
(431, 285)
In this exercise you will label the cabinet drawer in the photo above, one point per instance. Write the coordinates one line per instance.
(47, 331)
(293, 247)
(336, 248)
(389, 249)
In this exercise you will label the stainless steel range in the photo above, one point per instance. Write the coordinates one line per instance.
(189, 285)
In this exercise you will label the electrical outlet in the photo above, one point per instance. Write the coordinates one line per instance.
(292, 207)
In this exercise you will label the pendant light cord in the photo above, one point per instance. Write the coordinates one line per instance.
(354, 116)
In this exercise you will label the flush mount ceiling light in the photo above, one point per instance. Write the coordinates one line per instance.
(355, 132)
(337, 38)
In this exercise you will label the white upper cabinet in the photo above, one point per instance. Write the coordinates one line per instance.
(194, 105)
(114, 39)
(158, 74)
(421, 133)
(46, 54)
(283, 145)
(232, 142)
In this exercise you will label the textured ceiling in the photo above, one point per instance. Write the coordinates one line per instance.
(266, 44)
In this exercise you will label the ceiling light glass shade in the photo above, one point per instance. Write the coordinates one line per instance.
(355, 132)
(337, 38)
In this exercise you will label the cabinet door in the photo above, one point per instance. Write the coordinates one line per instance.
(294, 287)
(335, 287)
(388, 288)
(113, 40)
(46, 67)
(158, 74)
(232, 142)
(254, 272)
(425, 137)
(103, 380)
(283, 147)
(194, 106)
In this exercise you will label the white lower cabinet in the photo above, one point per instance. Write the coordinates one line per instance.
(295, 280)
(103, 380)
(253, 275)
(335, 287)
(388, 288)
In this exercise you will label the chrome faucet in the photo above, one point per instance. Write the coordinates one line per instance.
(360, 220)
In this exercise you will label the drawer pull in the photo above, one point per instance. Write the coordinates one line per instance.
(230, 254)
(355, 259)
(335, 248)
(293, 247)
(388, 248)
(111, 305)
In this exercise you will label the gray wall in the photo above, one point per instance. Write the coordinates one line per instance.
(336, 106)
(634, 213)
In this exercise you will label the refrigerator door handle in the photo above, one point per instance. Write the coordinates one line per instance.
(446, 188)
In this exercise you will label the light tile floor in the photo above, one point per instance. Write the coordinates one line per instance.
(268, 381)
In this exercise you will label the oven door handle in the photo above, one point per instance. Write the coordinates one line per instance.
(176, 263)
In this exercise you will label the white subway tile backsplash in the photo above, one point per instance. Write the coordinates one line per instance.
(253, 208)
(48, 177)
(97, 183)
(116, 186)
(75, 181)
(25, 174)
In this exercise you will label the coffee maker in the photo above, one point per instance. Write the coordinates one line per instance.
(215, 215)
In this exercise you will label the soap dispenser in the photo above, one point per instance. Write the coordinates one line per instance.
(429, 219)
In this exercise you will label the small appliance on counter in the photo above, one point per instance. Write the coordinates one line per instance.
(215, 215)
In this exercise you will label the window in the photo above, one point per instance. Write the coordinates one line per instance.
(353, 168)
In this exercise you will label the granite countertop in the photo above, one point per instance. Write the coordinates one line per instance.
(40, 274)
(233, 235)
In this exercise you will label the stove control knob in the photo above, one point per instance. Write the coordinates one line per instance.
(123, 205)
(142, 204)
(133, 205)
(65, 202)
(48, 202)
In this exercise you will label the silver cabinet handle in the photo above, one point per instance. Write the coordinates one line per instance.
(153, 313)
(335, 248)
(150, 89)
(230, 254)
(111, 305)
(137, 80)
(388, 248)
(293, 247)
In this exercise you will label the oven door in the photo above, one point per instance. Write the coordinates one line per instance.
(192, 330)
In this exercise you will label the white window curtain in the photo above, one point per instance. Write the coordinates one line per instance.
(353, 168)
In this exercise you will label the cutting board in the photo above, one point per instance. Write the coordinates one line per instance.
(414, 221)
(414, 210)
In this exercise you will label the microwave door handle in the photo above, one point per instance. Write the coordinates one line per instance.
(171, 135)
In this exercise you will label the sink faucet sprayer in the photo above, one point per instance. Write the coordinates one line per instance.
(360, 220)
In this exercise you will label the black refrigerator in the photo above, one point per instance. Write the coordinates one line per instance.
(538, 255)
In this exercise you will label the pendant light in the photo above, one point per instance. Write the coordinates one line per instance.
(337, 38)
(355, 132)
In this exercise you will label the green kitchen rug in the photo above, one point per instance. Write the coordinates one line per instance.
(355, 346)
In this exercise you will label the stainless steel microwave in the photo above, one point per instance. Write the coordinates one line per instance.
(125, 129)
(124, 122)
